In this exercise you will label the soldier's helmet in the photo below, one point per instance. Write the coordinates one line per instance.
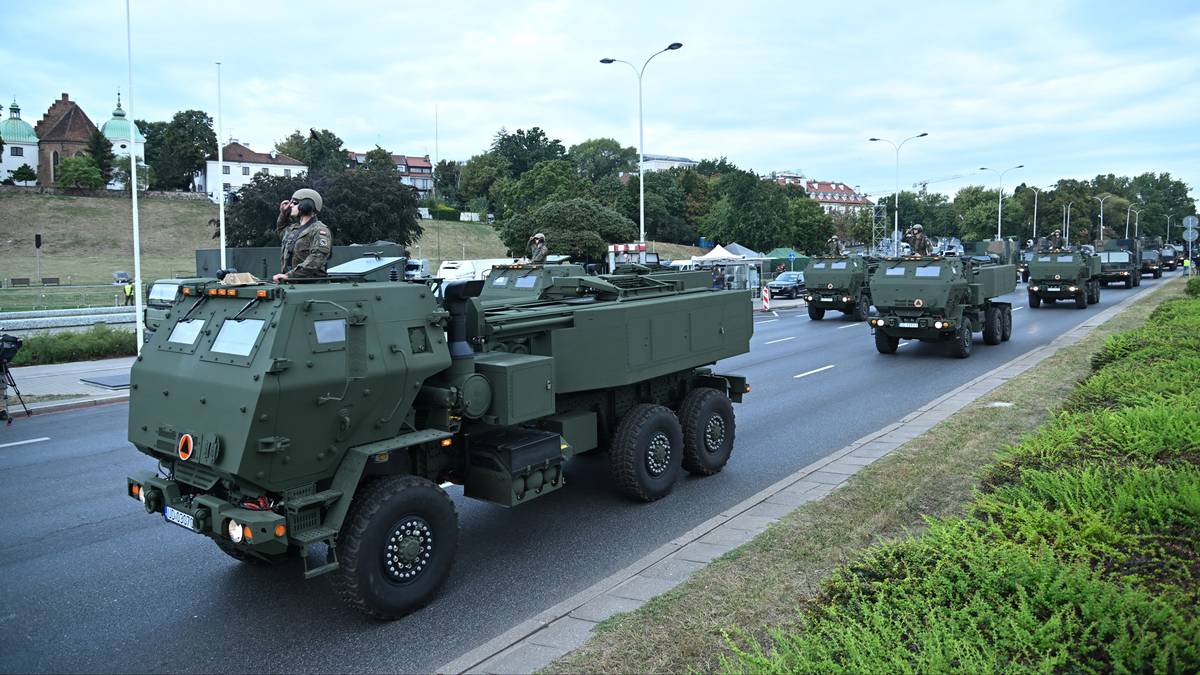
(916, 228)
(538, 236)
(309, 193)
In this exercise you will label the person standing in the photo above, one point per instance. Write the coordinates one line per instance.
(918, 243)
(537, 249)
(128, 288)
(305, 243)
(833, 246)
(719, 277)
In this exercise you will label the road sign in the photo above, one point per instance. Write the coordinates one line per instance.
(792, 256)
(1190, 222)
(1190, 235)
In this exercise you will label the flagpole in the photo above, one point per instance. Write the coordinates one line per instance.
(220, 169)
(133, 188)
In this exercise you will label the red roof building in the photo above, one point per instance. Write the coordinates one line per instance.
(62, 132)
(414, 171)
(832, 196)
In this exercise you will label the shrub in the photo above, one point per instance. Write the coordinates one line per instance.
(1193, 287)
(443, 212)
(98, 342)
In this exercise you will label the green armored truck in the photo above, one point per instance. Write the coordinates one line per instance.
(1121, 261)
(1064, 275)
(162, 297)
(329, 412)
(839, 282)
(1151, 263)
(942, 299)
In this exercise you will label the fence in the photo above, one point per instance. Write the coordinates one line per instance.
(15, 297)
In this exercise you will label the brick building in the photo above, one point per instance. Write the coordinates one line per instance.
(62, 132)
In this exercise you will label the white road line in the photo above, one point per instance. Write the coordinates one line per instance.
(853, 325)
(32, 440)
(780, 340)
(756, 323)
(813, 372)
(1016, 308)
(775, 314)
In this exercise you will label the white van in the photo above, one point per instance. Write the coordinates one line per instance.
(451, 270)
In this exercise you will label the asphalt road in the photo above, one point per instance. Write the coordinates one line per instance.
(89, 582)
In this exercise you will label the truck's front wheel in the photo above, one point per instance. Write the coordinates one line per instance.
(646, 452)
(861, 308)
(1034, 301)
(396, 547)
(1006, 323)
(816, 313)
(708, 428)
(960, 347)
(886, 344)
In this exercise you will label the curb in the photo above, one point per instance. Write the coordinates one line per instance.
(555, 632)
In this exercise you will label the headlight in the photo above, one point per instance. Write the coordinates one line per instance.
(845, 299)
(1072, 289)
(808, 297)
(1033, 288)
(234, 528)
(141, 495)
(937, 324)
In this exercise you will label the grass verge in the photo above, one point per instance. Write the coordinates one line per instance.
(98, 342)
(759, 606)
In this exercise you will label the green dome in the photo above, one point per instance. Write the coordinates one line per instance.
(16, 130)
(117, 128)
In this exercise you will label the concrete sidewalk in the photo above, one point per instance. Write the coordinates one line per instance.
(64, 382)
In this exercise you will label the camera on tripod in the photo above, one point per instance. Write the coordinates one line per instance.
(9, 346)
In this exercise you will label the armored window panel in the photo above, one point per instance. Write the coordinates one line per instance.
(500, 281)
(185, 332)
(163, 292)
(929, 271)
(1066, 258)
(526, 282)
(1045, 258)
(894, 271)
(818, 266)
(237, 337)
(837, 266)
(330, 331)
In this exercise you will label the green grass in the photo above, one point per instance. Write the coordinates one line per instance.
(98, 342)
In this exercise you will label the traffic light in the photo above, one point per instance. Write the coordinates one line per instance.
(37, 241)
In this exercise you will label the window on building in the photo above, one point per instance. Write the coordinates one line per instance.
(266, 171)
(287, 172)
(245, 171)
(225, 170)
(226, 186)
(17, 152)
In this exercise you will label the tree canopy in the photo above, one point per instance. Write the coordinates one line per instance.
(79, 172)
(177, 150)
(321, 151)
(578, 227)
(524, 149)
(99, 148)
(598, 158)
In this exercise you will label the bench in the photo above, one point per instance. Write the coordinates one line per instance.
(49, 281)
(18, 281)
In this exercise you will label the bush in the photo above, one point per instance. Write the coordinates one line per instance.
(1193, 287)
(98, 342)
(443, 212)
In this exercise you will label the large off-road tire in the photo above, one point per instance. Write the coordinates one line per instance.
(1081, 299)
(816, 313)
(1129, 282)
(646, 452)
(861, 307)
(993, 326)
(1034, 301)
(1095, 292)
(886, 344)
(1157, 274)
(396, 546)
(706, 416)
(960, 346)
(1137, 280)
(1006, 323)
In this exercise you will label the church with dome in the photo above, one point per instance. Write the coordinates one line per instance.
(63, 132)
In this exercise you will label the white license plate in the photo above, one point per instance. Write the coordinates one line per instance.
(825, 299)
(179, 518)
(908, 324)
(1053, 288)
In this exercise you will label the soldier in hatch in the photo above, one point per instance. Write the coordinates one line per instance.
(917, 242)
(305, 243)
(833, 246)
(537, 249)
(1054, 240)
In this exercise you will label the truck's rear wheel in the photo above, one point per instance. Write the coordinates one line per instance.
(1006, 323)
(708, 429)
(1034, 301)
(1095, 292)
(960, 347)
(993, 326)
(646, 452)
(396, 547)
(815, 313)
(886, 344)
(859, 313)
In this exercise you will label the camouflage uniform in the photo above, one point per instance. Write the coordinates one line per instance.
(1054, 241)
(287, 231)
(538, 252)
(833, 247)
(918, 243)
(312, 247)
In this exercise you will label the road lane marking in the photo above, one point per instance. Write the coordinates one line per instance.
(32, 440)
(780, 340)
(756, 323)
(813, 372)
(1016, 308)
(853, 325)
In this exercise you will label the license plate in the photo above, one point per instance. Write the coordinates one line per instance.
(825, 299)
(179, 518)
(1053, 288)
(908, 324)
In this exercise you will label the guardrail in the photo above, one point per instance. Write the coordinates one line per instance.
(33, 298)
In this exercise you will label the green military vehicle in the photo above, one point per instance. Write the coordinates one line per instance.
(162, 297)
(1064, 275)
(1152, 263)
(942, 299)
(1170, 258)
(329, 412)
(839, 282)
(1121, 262)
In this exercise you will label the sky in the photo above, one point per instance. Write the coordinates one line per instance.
(1068, 89)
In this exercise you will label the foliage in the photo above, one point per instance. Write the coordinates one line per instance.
(715, 167)
(479, 174)
(99, 148)
(1193, 284)
(445, 181)
(750, 211)
(599, 158)
(321, 151)
(807, 227)
(79, 172)
(120, 174)
(548, 181)
(380, 161)
(178, 150)
(443, 212)
(478, 205)
(360, 207)
(23, 174)
(98, 342)
(525, 149)
(154, 132)
(577, 227)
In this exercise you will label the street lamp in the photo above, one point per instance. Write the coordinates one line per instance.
(1169, 217)
(1127, 211)
(641, 145)
(1137, 216)
(1067, 231)
(1000, 199)
(896, 196)
(1101, 200)
(1036, 192)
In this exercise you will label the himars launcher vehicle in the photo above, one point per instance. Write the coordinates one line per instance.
(329, 412)
(839, 282)
(1064, 275)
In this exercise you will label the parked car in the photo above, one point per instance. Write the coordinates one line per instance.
(790, 284)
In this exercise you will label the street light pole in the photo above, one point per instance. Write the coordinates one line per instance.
(896, 196)
(1000, 199)
(1101, 200)
(1067, 232)
(1169, 216)
(220, 171)
(1127, 211)
(641, 144)
(1137, 216)
(1036, 193)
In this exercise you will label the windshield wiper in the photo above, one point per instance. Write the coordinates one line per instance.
(199, 302)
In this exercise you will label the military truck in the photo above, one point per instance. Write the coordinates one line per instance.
(1064, 275)
(839, 282)
(1121, 261)
(162, 297)
(326, 414)
(942, 299)
(1151, 263)
(1171, 258)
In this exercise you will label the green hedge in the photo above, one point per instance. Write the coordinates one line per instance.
(1080, 552)
(443, 212)
(1193, 287)
(98, 342)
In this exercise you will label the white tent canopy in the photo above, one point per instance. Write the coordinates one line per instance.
(718, 253)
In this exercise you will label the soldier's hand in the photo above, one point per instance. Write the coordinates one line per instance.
(285, 206)
(279, 277)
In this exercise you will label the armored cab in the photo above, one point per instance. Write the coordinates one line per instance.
(1064, 275)
(162, 297)
(841, 283)
(329, 412)
(1170, 258)
(1121, 261)
(941, 299)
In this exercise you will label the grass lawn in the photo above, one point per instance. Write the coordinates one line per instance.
(759, 587)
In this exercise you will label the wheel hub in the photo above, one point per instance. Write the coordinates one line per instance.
(408, 549)
(714, 433)
(659, 456)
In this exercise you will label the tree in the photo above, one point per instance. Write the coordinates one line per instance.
(599, 158)
(179, 150)
(445, 181)
(549, 181)
(479, 174)
(23, 173)
(666, 207)
(360, 207)
(578, 227)
(321, 151)
(120, 174)
(154, 133)
(525, 149)
(80, 172)
(380, 161)
(715, 167)
(99, 148)
(808, 227)
(753, 213)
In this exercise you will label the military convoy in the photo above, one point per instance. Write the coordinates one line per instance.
(839, 282)
(1064, 275)
(330, 412)
(944, 299)
(1121, 262)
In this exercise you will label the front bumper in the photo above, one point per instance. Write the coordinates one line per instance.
(1055, 290)
(918, 328)
(267, 530)
(1114, 275)
(829, 299)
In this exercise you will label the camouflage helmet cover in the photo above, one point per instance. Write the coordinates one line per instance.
(309, 193)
